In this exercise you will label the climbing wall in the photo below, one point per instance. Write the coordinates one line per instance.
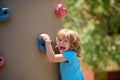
(19, 40)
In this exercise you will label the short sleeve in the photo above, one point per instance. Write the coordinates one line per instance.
(70, 56)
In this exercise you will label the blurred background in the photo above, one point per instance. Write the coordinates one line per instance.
(98, 24)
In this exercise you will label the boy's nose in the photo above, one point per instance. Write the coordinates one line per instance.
(61, 41)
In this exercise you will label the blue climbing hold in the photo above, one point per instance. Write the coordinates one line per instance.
(41, 44)
(4, 14)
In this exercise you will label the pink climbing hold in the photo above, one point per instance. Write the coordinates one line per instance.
(60, 11)
(2, 61)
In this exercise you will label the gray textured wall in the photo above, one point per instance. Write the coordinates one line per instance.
(18, 40)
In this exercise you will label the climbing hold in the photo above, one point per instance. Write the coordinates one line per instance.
(4, 14)
(2, 61)
(60, 11)
(41, 44)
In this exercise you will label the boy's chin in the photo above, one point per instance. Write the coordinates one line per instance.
(61, 52)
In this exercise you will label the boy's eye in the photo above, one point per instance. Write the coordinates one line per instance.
(59, 39)
(66, 40)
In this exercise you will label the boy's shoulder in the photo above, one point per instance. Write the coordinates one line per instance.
(70, 52)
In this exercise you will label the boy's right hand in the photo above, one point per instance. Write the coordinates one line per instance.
(45, 37)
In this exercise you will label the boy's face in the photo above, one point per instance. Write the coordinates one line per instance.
(63, 45)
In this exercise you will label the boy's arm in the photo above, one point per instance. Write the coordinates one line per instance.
(52, 57)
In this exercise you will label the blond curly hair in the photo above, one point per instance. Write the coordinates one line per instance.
(73, 37)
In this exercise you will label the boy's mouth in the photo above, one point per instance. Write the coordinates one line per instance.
(62, 48)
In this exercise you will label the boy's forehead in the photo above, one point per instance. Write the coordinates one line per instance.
(63, 37)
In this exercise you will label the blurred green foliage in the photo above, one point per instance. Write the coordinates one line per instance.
(98, 23)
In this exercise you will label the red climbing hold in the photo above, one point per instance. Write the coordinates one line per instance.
(61, 11)
(2, 62)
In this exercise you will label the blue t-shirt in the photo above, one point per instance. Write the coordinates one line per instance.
(70, 69)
